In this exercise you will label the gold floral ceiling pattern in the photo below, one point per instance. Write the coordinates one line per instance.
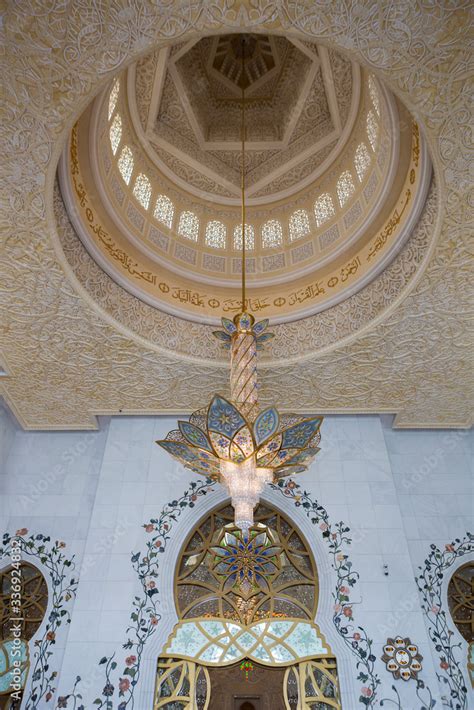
(67, 358)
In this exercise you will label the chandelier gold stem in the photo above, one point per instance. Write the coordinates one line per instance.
(242, 174)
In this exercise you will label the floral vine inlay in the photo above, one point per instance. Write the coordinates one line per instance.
(429, 584)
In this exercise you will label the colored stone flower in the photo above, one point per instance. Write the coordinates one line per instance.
(124, 684)
(130, 660)
(149, 528)
(22, 531)
(401, 658)
(62, 702)
(108, 690)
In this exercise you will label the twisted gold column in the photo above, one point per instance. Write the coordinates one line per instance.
(243, 371)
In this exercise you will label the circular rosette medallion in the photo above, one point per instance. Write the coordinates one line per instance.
(401, 658)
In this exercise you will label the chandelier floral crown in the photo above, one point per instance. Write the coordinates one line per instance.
(232, 441)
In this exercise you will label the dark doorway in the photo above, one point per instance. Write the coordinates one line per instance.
(231, 691)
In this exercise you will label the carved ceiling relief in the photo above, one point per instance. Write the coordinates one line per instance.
(66, 360)
(297, 96)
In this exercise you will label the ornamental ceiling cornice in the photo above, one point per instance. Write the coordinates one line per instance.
(66, 360)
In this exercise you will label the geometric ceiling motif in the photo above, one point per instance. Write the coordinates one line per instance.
(301, 100)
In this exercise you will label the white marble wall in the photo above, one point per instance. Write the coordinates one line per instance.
(48, 485)
(96, 490)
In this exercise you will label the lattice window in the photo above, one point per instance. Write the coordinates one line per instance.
(249, 237)
(323, 209)
(142, 190)
(115, 133)
(271, 574)
(298, 225)
(216, 234)
(164, 210)
(361, 160)
(34, 599)
(188, 225)
(461, 600)
(372, 129)
(113, 97)
(313, 684)
(181, 685)
(345, 187)
(374, 95)
(272, 234)
(125, 164)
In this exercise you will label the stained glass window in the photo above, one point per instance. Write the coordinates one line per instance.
(164, 210)
(372, 129)
(215, 234)
(323, 209)
(115, 133)
(374, 95)
(125, 163)
(142, 190)
(272, 234)
(345, 187)
(298, 225)
(113, 97)
(188, 225)
(249, 237)
(361, 160)
(270, 574)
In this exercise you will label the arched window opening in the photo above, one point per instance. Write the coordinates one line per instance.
(272, 234)
(249, 237)
(361, 160)
(216, 234)
(323, 209)
(188, 225)
(113, 97)
(115, 133)
(298, 225)
(125, 164)
(345, 187)
(374, 95)
(164, 210)
(142, 190)
(280, 580)
(372, 129)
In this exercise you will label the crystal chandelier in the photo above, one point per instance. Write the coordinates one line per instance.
(232, 441)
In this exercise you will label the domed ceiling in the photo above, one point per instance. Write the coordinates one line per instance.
(336, 176)
(113, 281)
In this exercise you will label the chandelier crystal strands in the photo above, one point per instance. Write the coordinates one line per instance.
(232, 441)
